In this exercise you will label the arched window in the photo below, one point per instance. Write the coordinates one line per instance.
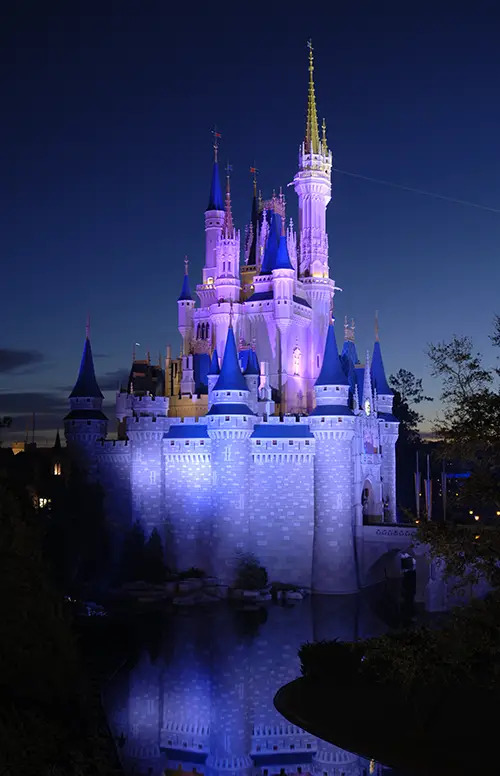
(198, 332)
(297, 356)
(207, 330)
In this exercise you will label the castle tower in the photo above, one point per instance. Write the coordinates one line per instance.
(213, 375)
(185, 307)
(332, 422)
(252, 375)
(86, 422)
(214, 218)
(389, 430)
(227, 252)
(313, 187)
(283, 287)
(230, 423)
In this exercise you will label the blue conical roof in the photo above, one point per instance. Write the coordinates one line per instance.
(214, 364)
(282, 257)
(379, 379)
(270, 253)
(252, 367)
(230, 377)
(86, 385)
(185, 295)
(215, 201)
(331, 371)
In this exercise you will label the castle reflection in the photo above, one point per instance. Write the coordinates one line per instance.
(198, 697)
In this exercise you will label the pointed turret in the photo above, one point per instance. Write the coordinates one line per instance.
(86, 423)
(228, 227)
(57, 443)
(185, 307)
(282, 257)
(378, 372)
(367, 387)
(214, 217)
(332, 386)
(214, 364)
(311, 140)
(331, 371)
(230, 377)
(215, 200)
(185, 295)
(252, 367)
(86, 383)
(271, 250)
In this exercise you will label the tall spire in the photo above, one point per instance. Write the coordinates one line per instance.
(331, 370)
(185, 295)
(86, 383)
(367, 386)
(312, 130)
(230, 377)
(228, 228)
(215, 199)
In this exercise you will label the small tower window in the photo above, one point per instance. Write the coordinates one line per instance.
(317, 361)
(57, 468)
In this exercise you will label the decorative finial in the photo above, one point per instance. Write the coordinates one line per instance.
(186, 265)
(312, 132)
(217, 137)
(349, 330)
(87, 327)
(228, 229)
(254, 172)
(323, 139)
(376, 325)
(230, 313)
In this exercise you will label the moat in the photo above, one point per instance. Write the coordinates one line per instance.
(193, 690)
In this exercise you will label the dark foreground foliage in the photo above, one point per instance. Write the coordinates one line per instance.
(464, 652)
(250, 575)
(48, 722)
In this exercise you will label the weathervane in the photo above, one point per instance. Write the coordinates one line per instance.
(217, 137)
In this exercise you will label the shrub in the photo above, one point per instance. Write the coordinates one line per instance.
(192, 573)
(250, 575)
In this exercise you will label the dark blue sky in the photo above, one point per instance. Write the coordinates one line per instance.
(106, 152)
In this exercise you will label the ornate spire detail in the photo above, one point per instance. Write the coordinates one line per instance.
(185, 295)
(312, 131)
(228, 228)
(215, 197)
(367, 386)
(349, 330)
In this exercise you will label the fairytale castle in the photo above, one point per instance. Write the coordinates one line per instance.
(261, 437)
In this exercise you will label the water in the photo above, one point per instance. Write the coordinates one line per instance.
(195, 692)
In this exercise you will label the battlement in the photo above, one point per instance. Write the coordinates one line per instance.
(150, 405)
(112, 446)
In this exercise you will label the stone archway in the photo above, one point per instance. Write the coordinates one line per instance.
(369, 504)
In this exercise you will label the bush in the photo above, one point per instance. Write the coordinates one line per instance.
(331, 661)
(250, 575)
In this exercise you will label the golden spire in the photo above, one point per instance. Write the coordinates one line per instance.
(312, 130)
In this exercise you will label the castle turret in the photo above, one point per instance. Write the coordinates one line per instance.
(214, 218)
(213, 375)
(229, 423)
(227, 273)
(252, 374)
(86, 422)
(333, 425)
(185, 307)
(313, 187)
(389, 431)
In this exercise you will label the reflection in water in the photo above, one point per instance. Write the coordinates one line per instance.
(200, 697)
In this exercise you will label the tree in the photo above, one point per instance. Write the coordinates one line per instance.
(250, 575)
(155, 570)
(408, 392)
(132, 556)
(469, 425)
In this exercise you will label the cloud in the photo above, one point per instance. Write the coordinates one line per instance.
(20, 361)
(16, 403)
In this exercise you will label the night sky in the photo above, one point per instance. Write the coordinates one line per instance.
(106, 154)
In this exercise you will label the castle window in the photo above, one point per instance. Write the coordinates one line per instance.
(229, 266)
(186, 442)
(227, 417)
(322, 420)
(258, 441)
(324, 388)
(202, 442)
(43, 502)
(274, 442)
(229, 393)
(172, 443)
(57, 468)
(317, 361)
(307, 441)
(297, 357)
(290, 441)
(152, 478)
(339, 420)
(244, 420)
(223, 266)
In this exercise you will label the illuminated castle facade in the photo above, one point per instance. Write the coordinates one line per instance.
(261, 437)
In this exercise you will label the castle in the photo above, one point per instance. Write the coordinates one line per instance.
(261, 437)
